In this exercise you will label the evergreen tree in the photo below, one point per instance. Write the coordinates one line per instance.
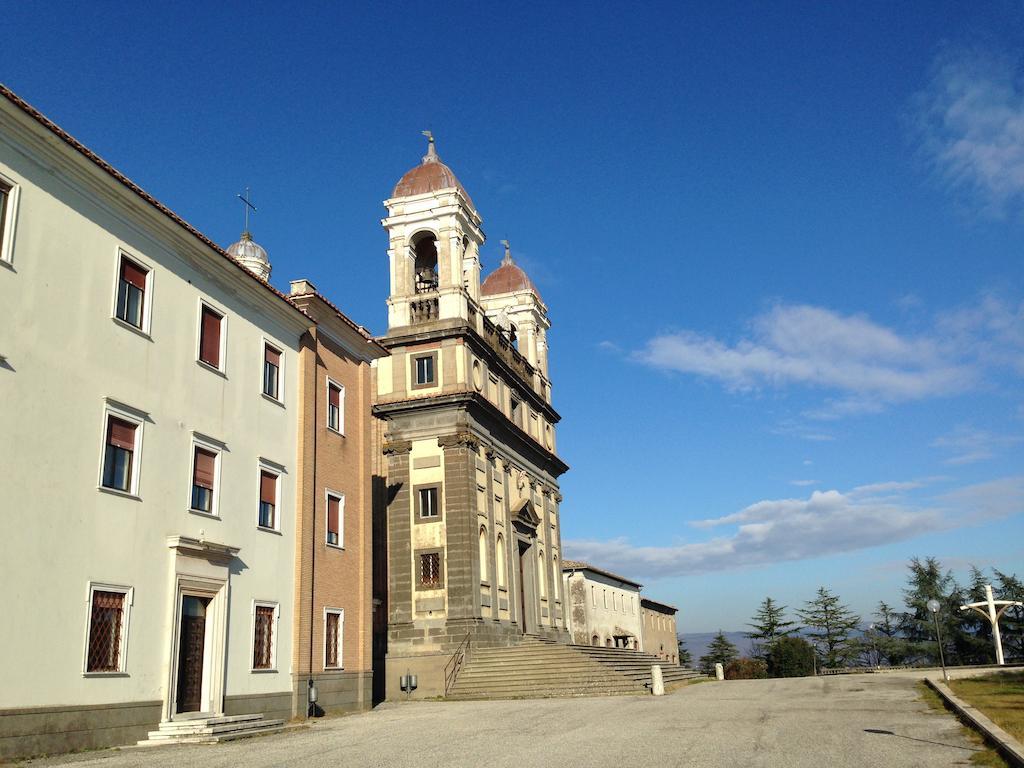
(721, 651)
(1011, 625)
(831, 624)
(768, 626)
(685, 657)
(889, 645)
(790, 657)
(975, 631)
(927, 580)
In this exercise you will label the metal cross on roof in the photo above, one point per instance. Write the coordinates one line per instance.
(248, 205)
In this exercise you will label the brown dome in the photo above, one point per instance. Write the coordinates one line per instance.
(429, 176)
(507, 278)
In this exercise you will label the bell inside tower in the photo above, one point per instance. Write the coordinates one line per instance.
(425, 264)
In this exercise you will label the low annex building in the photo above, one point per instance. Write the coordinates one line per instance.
(604, 608)
(660, 636)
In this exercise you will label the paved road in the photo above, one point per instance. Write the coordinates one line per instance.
(792, 723)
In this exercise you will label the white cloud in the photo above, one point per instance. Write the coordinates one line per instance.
(826, 523)
(970, 119)
(970, 445)
(802, 483)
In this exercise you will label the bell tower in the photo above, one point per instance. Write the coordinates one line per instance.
(434, 245)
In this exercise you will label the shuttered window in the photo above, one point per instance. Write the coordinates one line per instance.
(204, 471)
(334, 623)
(263, 638)
(119, 454)
(334, 507)
(131, 293)
(209, 337)
(271, 372)
(268, 499)
(335, 407)
(106, 620)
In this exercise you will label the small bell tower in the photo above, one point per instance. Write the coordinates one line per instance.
(434, 245)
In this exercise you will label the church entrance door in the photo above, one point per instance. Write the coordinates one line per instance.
(524, 548)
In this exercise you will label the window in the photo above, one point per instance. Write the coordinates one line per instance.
(499, 560)
(593, 595)
(271, 372)
(204, 476)
(119, 455)
(483, 554)
(210, 328)
(604, 597)
(517, 412)
(264, 621)
(424, 370)
(131, 293)
(268, 500)
(334, 627)
(335, 407)
(108, 628)
(542, 575)
(5, 196)
(428, 507)
(335, 519)
(8, 204)
(430, 570)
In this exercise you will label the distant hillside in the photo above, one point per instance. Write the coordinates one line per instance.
(698, 642)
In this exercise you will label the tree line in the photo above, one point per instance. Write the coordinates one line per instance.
(828, 634)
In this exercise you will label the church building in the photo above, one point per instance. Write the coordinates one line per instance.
(469, 541)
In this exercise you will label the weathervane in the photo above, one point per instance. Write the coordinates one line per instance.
(248, 205)
(431, 155)
(508, 252)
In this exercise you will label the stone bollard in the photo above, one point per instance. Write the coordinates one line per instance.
(719, 672)
(657, 682)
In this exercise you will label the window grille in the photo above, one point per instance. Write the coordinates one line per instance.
(263, 637)
(105, 632)
(430, 570)
(333, 640)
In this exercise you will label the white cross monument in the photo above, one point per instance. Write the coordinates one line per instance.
(987, 608)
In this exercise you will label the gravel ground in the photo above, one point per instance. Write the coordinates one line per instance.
(793, 723)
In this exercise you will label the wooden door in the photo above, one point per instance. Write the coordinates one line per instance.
(191, 647)
(523, 549)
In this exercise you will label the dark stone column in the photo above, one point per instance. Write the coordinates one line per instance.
(399, 496)
(462, 571)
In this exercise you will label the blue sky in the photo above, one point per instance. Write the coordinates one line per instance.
(781, 244)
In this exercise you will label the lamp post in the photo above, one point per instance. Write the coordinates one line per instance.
(933, 606)
(874, 646)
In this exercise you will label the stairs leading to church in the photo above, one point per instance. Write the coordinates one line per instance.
(538, 668)
(637, 665)
(211, 730)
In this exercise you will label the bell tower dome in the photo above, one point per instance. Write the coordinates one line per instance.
(434, 245)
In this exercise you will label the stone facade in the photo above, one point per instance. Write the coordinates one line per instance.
(661, 637)
(468, 479)
(604, 608)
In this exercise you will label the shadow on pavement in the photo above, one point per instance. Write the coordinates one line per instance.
(881, 732)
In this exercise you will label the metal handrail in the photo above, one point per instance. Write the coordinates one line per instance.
(454, 665)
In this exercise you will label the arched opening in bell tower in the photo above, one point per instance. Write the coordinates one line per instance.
(424, 248)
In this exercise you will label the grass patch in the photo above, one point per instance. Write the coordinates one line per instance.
(987, 757)
(1000, 696)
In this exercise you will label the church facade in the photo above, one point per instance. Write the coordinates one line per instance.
(468, 539)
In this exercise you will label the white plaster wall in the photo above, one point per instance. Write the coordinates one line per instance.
(600, 620)
(64, 355)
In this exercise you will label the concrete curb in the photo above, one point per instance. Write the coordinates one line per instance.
(1011, 749)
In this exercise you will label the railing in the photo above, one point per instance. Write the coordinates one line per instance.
(424, 310)
(454, 665)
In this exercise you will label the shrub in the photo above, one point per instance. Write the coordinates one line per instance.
(746, 669)
(790, 657)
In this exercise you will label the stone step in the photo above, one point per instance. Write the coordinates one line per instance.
(192, 722)
(488, 679)
(212, 730)
(558, 693)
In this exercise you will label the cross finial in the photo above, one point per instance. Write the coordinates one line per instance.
(508, 253)
(248, 205)
(431, 156)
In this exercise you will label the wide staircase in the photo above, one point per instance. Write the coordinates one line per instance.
(210, 730)
(637, 666)
(538, 668)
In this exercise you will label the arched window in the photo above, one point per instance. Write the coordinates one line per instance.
(424, 247)
(595, 641)
(609, 643)
(541, 574)
(557, 578)
(499, 560)
(483, 553)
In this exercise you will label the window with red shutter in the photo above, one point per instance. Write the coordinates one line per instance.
(204, 468)
(268, 499)
(119, 454)
(131, 293)
(271, 372)
(334, 521)
(335, 399)
(209, 337)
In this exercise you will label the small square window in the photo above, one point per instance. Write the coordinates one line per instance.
(428, 502)
(108, 624)
(119, 454)
(335, 519)
(430, 570)
(271, 372)
(263, 640)
(268, 500)
(335, 407)
(424, 370)
(131, 293)
(334, 629)
(211, 325)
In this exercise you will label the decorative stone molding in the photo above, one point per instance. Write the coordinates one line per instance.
(397, 447)
(546, 491)
(209, 550)
(558, 498)
(467, 439)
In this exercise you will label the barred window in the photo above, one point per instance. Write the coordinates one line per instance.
(335, 621)
(263, 638)
(105, 631)
(430, 570)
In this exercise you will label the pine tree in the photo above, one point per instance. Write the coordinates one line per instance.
(927, 581)
(889, 645)
(976, 632)
(685, 657)
(769, 625)
(1011, 625)
(721, 651)
(830, 624)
